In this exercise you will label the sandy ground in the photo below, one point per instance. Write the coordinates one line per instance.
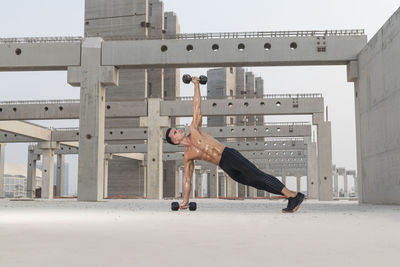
(219, 233)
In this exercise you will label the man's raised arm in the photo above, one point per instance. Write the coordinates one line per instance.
(197, 117)
(187, 182)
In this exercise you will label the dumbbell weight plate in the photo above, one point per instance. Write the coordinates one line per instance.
(187, 78)
(203, 79)
(192, 206)
(174, 206)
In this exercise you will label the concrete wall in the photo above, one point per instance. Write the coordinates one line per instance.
(377, 97)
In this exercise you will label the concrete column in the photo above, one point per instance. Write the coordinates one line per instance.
(324, 156)
(232, 188)
(335, 184)
(312, 169)
(177, 172)
(2, 154)
(193, 185)
(92, 78)
(252, 192)
(47, 169)
(298, 183)
(355, 185)
(107, 158)
(199, 183)
(60, 176)
(222, 185)
(213, 183)
(241, 190)
(346, 183)
(154, 122)
(31, 172)
(260, 193)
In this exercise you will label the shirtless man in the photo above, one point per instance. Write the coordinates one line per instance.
(200, 145)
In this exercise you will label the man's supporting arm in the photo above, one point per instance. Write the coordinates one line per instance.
(187, 182)
(197, 117)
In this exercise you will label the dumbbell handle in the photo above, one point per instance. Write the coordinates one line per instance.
(187, 79)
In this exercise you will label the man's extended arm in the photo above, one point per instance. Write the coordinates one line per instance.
(187, 183)
(197, 117)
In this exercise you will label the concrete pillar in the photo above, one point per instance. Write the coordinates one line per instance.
(222, 185)
(298, 183)
(252, 192)
(60, 176)
(2, 154)
(232, 188)
(335, 184)
(355, 185)
(193, 185)
(47, 168)
(213, 183)
(154, 122)
(242, 191)
(31, 172)
(312, 168)
(346, 183)
(107, 158)
(177, 173)
(199, 183)
(92, 78)
(324, 156)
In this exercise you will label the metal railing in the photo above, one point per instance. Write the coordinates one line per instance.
(66, 129)
(283, 139)
(31, 102)
(263, 124)
(236, 35)
(190, 98)
(41, 39)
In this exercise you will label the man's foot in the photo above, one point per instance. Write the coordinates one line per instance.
(294, 203)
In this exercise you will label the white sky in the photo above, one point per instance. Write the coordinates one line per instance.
(27, 18)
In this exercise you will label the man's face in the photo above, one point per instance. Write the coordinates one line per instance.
(176, 135)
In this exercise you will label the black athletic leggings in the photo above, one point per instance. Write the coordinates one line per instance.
(245, 172)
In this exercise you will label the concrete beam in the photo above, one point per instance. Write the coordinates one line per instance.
(39, 54)
(66, 109)
(288, 156)
(269, 105)
(72, 134)
(269, 50)
(26, 129)
(70, 109)
(294, 144)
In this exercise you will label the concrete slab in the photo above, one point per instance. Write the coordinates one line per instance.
(147, 233)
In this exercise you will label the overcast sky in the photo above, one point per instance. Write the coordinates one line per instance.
(27, 18)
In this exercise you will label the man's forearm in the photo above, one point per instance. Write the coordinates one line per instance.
(197, 96)
(186, 185)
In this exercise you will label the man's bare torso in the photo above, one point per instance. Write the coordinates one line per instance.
(204, 147)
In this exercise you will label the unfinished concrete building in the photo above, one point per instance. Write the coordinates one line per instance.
(134, 19)
(97, 64)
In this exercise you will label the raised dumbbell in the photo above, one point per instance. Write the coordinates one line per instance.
(187, 79)
(175, 206)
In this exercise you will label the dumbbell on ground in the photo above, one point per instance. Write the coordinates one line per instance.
(175, 206)
(187, 79)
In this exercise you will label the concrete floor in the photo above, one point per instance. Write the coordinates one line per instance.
(220, 233)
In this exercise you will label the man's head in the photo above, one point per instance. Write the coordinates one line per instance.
(174, 136)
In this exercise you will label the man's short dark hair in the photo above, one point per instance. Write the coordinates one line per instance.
(168, 138)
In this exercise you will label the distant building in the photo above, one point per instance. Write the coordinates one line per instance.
(15, 180)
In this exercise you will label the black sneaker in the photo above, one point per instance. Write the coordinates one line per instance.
(294, 203)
